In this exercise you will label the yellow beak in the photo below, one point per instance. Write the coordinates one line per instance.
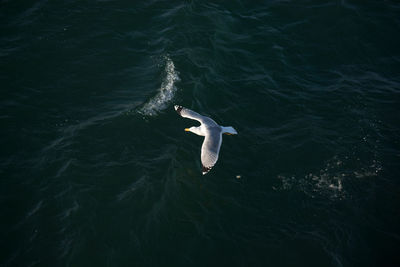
(187, 130)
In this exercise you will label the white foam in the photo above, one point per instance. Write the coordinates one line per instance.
(166, 92)
(330, 181)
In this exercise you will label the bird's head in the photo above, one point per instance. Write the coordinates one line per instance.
(195, 130)
(191, 129)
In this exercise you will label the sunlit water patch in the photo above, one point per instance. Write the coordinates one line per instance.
(331, 180)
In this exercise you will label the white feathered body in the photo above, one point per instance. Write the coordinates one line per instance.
(212, 133)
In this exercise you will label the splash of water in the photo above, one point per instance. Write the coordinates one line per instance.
(166, 92)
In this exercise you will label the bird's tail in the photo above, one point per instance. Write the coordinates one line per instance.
(228, 130)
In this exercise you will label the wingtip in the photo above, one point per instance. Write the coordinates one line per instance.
(205, 170)
(178, 108)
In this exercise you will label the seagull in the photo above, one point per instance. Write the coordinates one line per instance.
(212, 133)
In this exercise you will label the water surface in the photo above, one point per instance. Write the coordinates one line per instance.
(96, 170)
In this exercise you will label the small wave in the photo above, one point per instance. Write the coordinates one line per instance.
(166, 92)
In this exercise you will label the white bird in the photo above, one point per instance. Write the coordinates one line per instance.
(213, 136)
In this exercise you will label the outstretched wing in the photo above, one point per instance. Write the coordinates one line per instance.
(187, 113)
(190, 114)
(210, 149)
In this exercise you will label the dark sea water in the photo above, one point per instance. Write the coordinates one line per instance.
(96, 170)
